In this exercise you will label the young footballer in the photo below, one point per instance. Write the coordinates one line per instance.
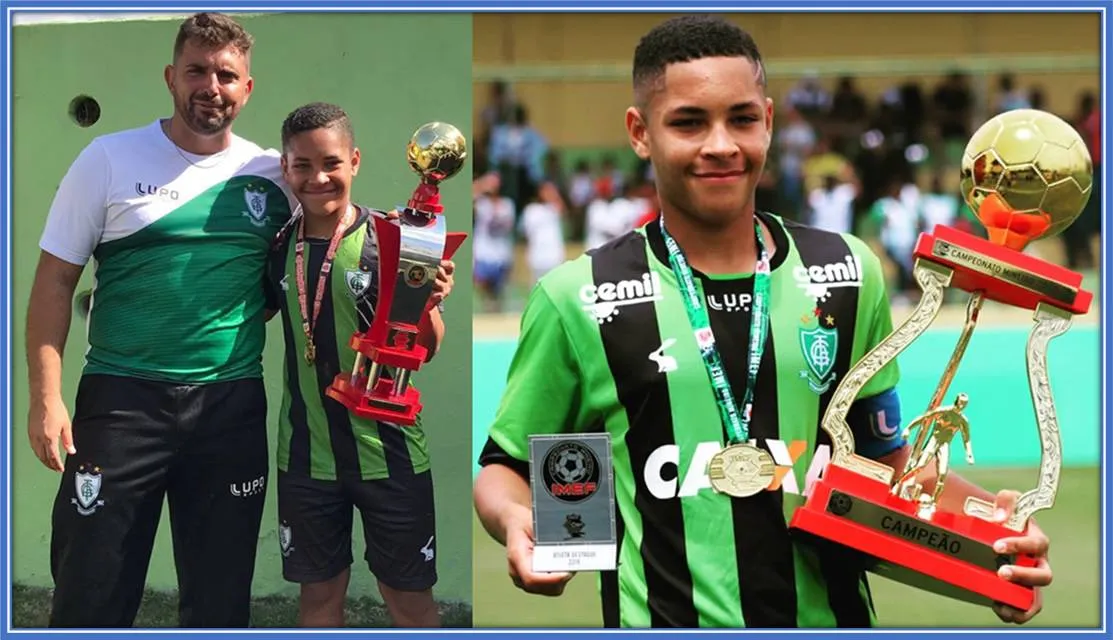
(759, 319)
(331, 462)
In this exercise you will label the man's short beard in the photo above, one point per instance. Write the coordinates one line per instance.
(203, 126)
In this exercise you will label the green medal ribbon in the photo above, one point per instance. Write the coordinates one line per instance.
(736, 422)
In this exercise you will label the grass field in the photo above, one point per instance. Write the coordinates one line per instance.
(31, 609)
(1073, 600)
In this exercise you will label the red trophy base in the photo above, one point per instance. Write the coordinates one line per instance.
(379, 404)
(951, 555)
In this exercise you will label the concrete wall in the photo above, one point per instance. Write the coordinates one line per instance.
(552, 56)
(392, 72)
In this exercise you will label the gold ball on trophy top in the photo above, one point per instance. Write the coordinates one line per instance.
(1026, 174)
(437, 151)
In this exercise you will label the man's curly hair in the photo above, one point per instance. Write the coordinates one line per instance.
(213, 31)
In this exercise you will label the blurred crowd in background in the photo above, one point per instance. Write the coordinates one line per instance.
(884, 171)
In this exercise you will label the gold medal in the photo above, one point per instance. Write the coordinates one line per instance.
(310, 353)
(741, 470)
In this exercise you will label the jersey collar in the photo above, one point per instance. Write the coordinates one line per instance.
(776, 229)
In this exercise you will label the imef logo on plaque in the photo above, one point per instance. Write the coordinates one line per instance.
(571, 472)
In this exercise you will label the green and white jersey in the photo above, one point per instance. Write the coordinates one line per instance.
(317, 436)
(606, 346)
(180, 243)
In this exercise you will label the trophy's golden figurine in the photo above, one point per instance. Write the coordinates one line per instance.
(1026, 174)
(409, 253)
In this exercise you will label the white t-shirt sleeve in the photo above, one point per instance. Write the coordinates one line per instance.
(846, 192)
(525, 224)
(280, 180)
(77, 215)
(291, 199)
(504, 212)
(815, 199)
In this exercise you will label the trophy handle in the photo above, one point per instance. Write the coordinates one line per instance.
(1050, 323)
(933, 280)
(973, 308)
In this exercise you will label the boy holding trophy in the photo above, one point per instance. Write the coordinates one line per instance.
(713, 410)
(331, 460)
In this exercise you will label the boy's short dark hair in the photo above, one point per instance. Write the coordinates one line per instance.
(687, 38)
(316, 115)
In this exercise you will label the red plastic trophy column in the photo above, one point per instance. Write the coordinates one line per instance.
(390, 343)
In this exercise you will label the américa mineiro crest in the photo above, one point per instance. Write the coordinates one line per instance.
(256, 199)
(357, 281)
(87, 483)
(285, 539)
(819, 342)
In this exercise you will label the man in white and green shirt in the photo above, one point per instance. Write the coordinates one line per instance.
(178, 216)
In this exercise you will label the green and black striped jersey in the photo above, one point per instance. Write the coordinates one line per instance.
(318, 436)
(606, 345)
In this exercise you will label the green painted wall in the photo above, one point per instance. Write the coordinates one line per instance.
(392, 73)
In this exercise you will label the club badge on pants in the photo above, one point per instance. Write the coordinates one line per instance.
(87, 486)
